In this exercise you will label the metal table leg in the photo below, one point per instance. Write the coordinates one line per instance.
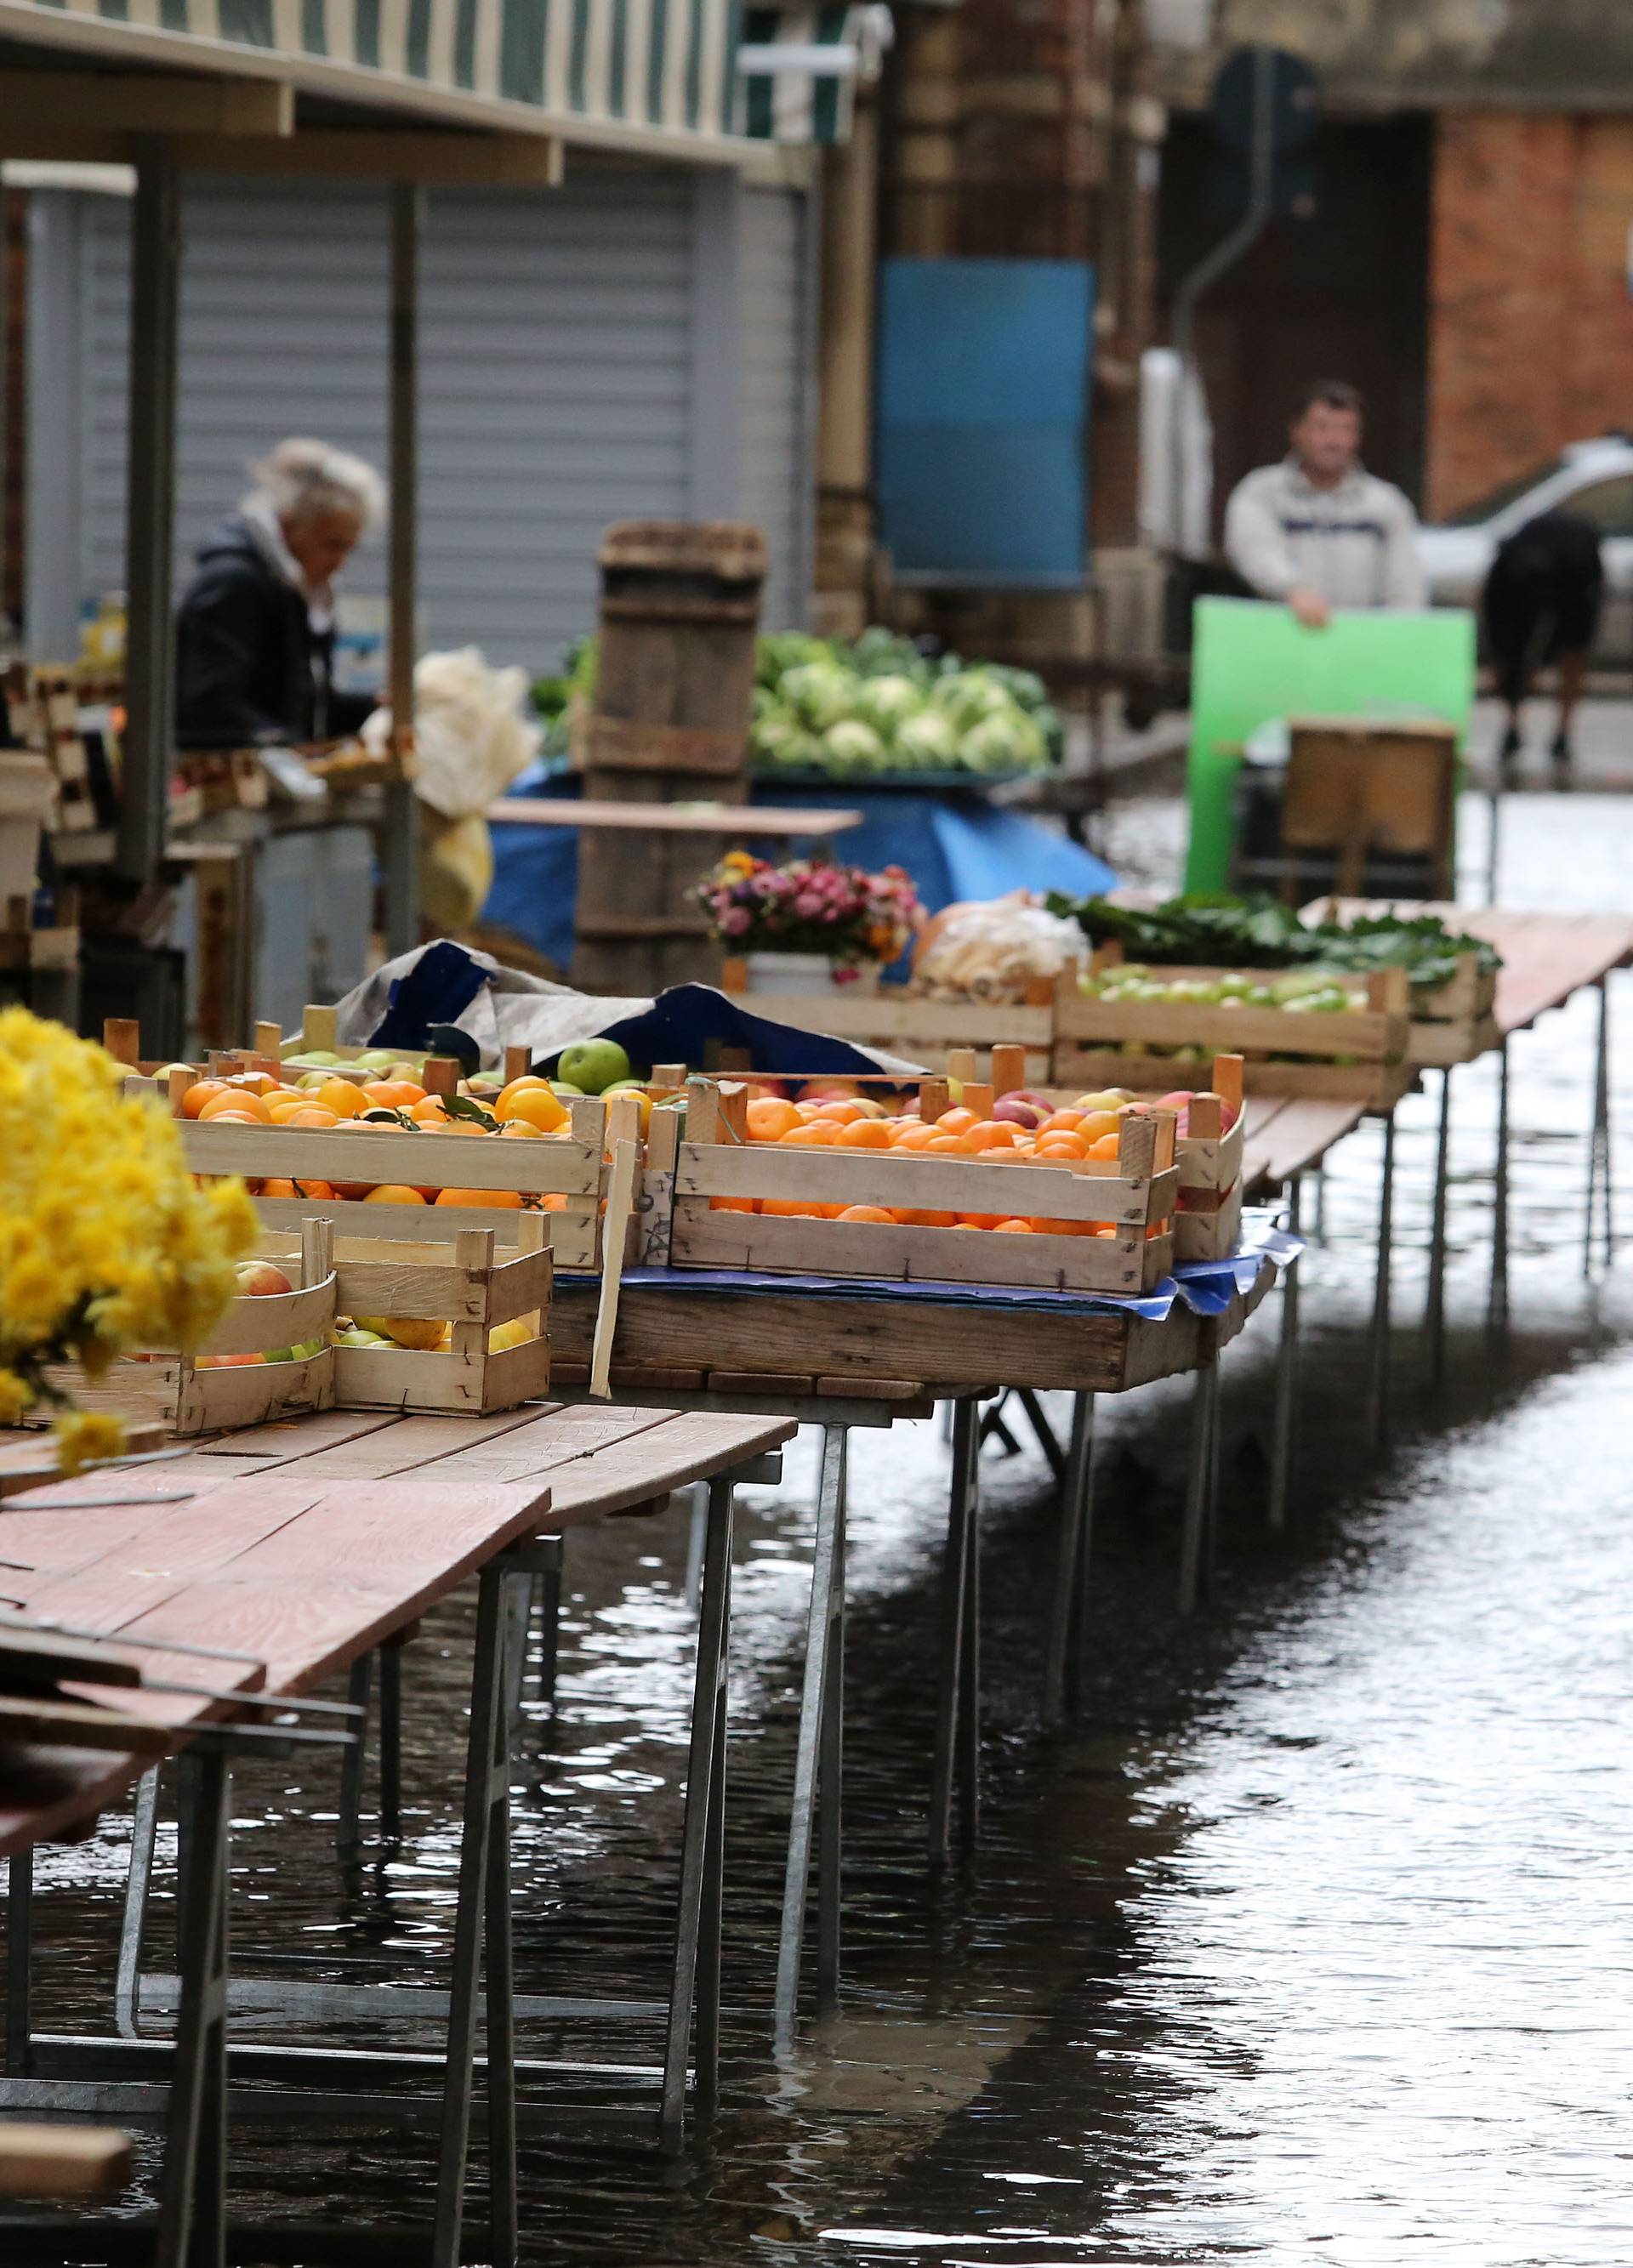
(1200, 1480)
(1497, 1306)
(19, 1929)
(192, 2211)
(1434, 1309)
(957, 1718)
(551, 1550)
(817, 1760)
(1378, 1378)
(1067, 1596)
(1318, 1225)
(1286, 1375)
(1039, 1421)
(348, 1828)
(487, 1797)
(127, 1976)
(699, 1868)
(391, 1739)
(1599, 1143)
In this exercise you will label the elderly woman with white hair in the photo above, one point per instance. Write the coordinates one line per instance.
(255, 630)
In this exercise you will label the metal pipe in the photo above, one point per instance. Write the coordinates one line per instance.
(149, 515)
(1434, 1307)
(401, 839)
(1378, 1386)
(1286, 1374)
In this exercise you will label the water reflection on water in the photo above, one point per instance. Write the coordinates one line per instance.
(1314, 1937)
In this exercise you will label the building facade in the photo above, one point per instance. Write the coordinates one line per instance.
(1466, 253)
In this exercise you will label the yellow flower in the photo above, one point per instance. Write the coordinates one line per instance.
(84, 1438)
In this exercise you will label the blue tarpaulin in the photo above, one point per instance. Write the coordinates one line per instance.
(953, 846)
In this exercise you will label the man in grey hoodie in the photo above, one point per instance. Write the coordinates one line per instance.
(1318, 530)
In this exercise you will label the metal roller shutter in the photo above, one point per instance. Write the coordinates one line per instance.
(557, 375)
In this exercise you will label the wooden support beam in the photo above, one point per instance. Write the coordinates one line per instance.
(445, 160)
(123, 102)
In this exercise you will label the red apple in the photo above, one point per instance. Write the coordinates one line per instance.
(1018, 1110)
(260, 1278)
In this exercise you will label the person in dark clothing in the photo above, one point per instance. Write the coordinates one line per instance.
(255, 630)
(1542, 606)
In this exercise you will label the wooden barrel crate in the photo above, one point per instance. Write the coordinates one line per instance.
(680, 610)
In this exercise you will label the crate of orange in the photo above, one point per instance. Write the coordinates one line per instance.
(400, 1158)
(1209, 1130)
(940, 1193)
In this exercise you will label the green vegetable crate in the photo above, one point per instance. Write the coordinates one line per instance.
(1452, 1023)
(1356, 1054)
(925, 1031)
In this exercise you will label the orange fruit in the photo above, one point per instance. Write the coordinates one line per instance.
(864, 1134)
(234, 1118)
(980, 1220)
(432, 1110)
(236, 1101)
(733, 1204)
(533, 1106)
(341, 1096)
(770, 1118)
(510, 1199)
(819, 1134)
(1062, 1145)
(392, 1094)
(1105, 1147)
(281, 1107)
(1097, 1123)
(910, 1134)
(1015, 1227)
(529, 1081)
(281, 1188)
(393, 1193)
(956, 1120)
(945, 1145)
(920, 1220)
(846, 1112)
(1064, 1121)
(309, 1114)
(201, 1092)
(867, 1213)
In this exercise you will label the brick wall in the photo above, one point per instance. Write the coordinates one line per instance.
(1531, 325)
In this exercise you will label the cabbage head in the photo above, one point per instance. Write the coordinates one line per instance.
(820, 692)
(927, 742)
(886, 703)
(851, 746)
(970, 697)
(1006, 741)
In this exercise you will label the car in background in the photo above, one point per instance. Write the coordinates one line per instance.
(1592, 478)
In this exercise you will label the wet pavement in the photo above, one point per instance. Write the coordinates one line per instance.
(1311, 1938)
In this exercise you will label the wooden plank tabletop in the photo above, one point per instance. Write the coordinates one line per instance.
(305, 1544)
(746, 820)
(1290, 1135)
(1546, 957)
(948, 1346)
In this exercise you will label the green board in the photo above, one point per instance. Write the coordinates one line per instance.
(1253, 661)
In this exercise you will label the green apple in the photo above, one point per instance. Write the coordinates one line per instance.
(356, 1336)
(594, 1065)
(564, 1086)
(315, 1059)
(314, 1079)
(380, 1059)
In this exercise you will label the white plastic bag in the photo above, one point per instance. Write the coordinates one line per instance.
(471, 734)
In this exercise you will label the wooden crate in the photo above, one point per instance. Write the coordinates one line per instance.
(476, 1290)
(903, 1022)
(1208, 1224)
(1359, 1056)
(1208, 1158)
(187, 1399)
(1136, 1192)
(1451, 1024)
(318, 1027)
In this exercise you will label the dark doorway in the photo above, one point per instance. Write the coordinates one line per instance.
(1341, 293)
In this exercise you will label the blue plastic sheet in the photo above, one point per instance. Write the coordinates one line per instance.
(953, 846)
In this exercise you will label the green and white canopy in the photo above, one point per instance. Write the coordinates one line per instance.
(798, 67)
(627, 70)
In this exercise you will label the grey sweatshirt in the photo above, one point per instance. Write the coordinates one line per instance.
(1355, 544)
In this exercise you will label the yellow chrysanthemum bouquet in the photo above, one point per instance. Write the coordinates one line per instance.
(106, 1242)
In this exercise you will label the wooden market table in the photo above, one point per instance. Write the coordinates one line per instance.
(300, 1546)
(780, 1339)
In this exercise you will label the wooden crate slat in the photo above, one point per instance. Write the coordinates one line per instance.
(424, 1161)
(1211, 1235)
(1076, 1190)
(260, 1323)
(1162, 1023)
(1124, 1265)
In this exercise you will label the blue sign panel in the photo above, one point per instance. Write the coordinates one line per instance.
(985, 368)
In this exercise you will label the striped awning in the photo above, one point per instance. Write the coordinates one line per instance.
(617, 69)
(798, 68)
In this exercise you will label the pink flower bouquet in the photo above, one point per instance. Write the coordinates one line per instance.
(842, 912)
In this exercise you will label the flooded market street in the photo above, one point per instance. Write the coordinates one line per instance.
(1310, 1938)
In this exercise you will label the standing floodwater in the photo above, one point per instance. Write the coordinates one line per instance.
(1309, 1943)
